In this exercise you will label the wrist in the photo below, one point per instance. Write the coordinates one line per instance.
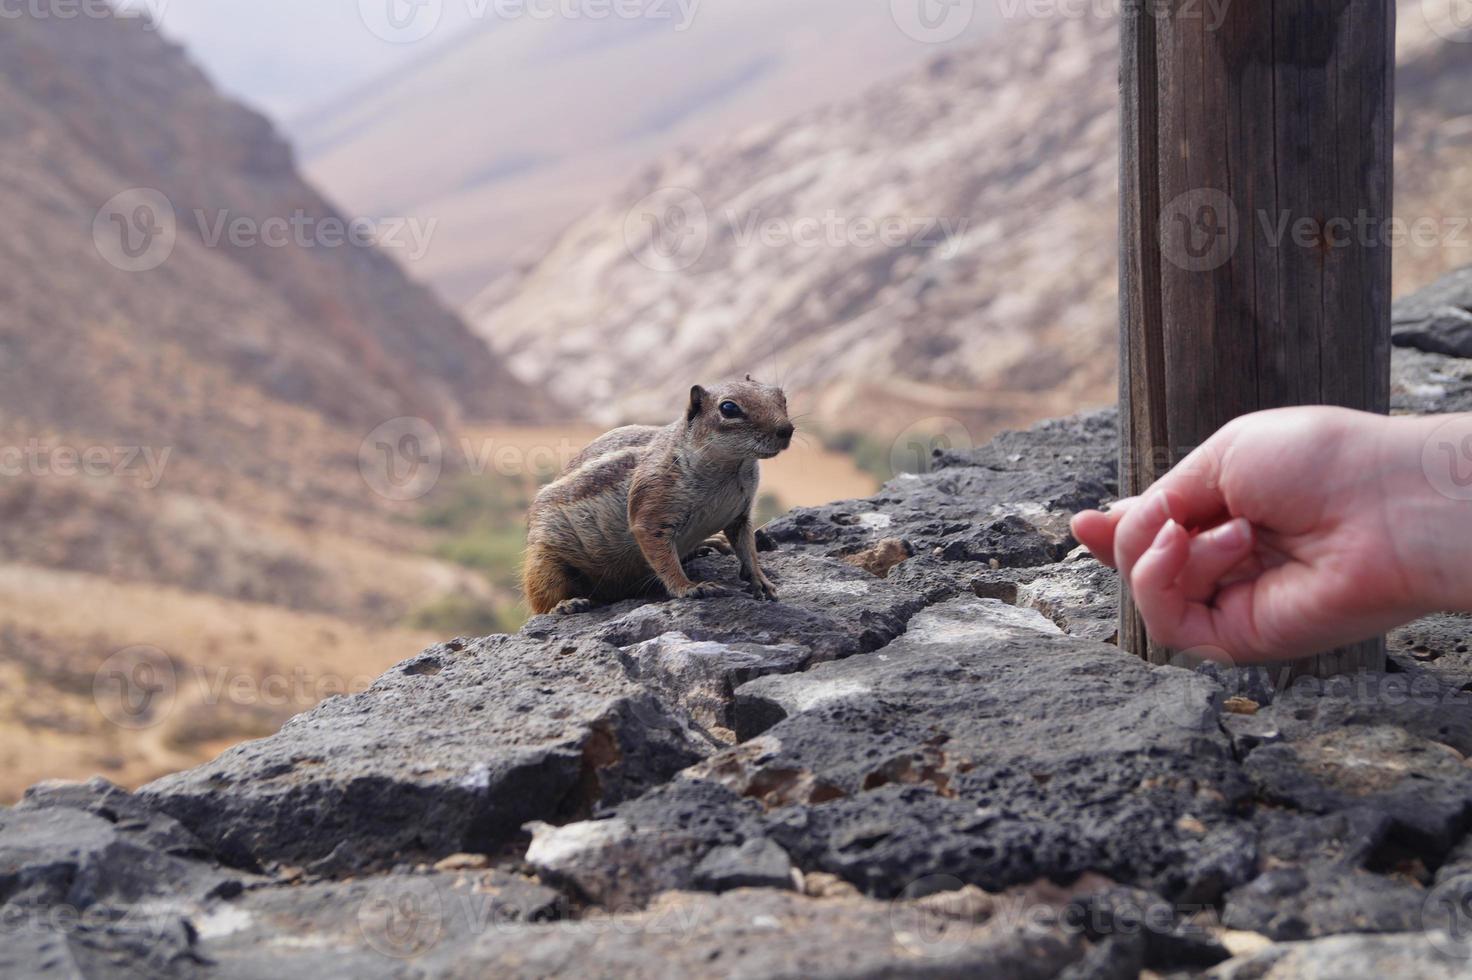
(1430, 507)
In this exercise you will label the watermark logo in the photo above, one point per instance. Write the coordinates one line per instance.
(925, 931)
(1211, 13)
(1194, 708)
(142, 686)
(412, 236)
(1446, 915)
(410, 21)
(1446, 458)
(144, 465)
(1450, 19)
(668, 230)
(152, 11)
(401, 21)
(403, 918)
(933, 21)
(136, 230)
(1199, 230)
(135, 688)
(915, 450)
(402, 459)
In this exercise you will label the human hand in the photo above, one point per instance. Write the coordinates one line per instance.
(1287, 534)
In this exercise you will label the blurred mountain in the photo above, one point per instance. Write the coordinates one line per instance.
(511, 129)
(994, 305)
(191, 359)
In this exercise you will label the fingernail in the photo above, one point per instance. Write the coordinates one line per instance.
(1166, 535)
(1237, 534)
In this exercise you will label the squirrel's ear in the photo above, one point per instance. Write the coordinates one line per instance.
(697, 401)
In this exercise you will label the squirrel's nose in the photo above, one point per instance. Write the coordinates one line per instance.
(785, 431)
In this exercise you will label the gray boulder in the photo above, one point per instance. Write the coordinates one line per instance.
(452, 751)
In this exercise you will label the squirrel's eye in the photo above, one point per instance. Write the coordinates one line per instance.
(731, 410)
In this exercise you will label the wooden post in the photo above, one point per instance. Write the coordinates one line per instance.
(1255, 209)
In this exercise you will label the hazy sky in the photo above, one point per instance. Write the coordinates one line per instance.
(288, 56)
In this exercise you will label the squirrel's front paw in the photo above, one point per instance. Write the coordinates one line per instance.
(763, 588)
(705, 590)
(573, 607)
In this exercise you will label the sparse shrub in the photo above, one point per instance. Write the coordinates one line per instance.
(484, 525)
(769, 507)
(464, 615)
(868, 453)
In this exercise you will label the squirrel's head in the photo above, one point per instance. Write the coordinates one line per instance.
(740, 420)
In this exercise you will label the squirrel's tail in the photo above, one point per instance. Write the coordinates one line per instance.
(544, 581)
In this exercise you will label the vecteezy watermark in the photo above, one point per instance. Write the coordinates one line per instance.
(1199, 230)
(151, 10)
(140, 686)
(138, 229)
(933, 21)
(156, 934)
(1219, 684)
(670, 230)
(916, 449)
(1211, 13)
(404, 458)
(1451, 19)
(937, 917)
(135, 688)
(143, 464)
(408, 916)
(403, 917)
(1446, 917)
(925, 931)
(410, 21)
(302, 230)
(1364, 230)
(1195, 707)
(1446, 458)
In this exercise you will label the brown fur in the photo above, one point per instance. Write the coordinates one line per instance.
(629, 509)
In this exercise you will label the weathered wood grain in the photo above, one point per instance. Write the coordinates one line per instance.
(1256, 195)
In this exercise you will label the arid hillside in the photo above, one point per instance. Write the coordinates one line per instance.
(940, 250)
(194, 351)
(512, 128)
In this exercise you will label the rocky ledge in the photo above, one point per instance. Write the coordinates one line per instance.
(928, 759)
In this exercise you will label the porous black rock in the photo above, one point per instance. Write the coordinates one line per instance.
(701, 677)
(953, 726)
(83, 846)
(646, 846)
(1423, 787)
(758, 863)
(1439, 647)
(453, 751)
(1038, 478)
(1417, 955)
(829, 607)
(885, 767)
(1438, 319)
(1444, 331)
(1079, 595)
(1325, 875)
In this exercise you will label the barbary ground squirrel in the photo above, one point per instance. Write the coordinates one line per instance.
(630, 508)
